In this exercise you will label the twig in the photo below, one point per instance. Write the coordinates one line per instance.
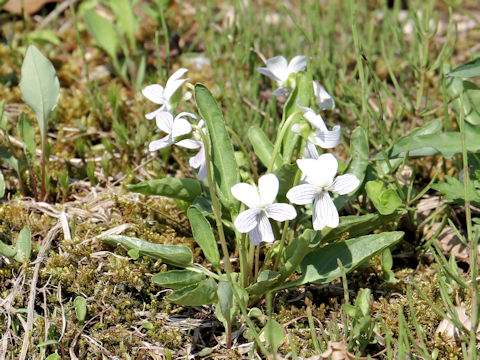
(33, 288)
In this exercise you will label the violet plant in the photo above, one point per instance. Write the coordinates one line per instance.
(253, 219)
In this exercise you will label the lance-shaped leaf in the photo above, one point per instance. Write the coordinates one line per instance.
(177, 279)
(182, 189)
(23, 245)
(203, 234)
(467, 70)
(40, 87)
(103, 32)
(360, 150)
(225, 167)
(262, 146)
(203, 293)
(321, 266)
(177, 255)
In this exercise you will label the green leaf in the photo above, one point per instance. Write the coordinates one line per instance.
(49, 342)
(447, 144)
(42, 37)
(177, 255)
(354, 226)
(11, 161)
(80, 305)
(263, 147)
(7, 250)
(203, 235)
(134, 254)
(471, 98)
(225, 300)
(27, 132)
(203, 293)
(454, 190)
(360, 151)
(274, 335)
(24, 245)
(40, 87)
(177, 279)
(183, 189)
(53, 356)
(103, 32)
(321, 266)
(385, 198)
(225, 169)
(363, 301)
(286, 176)
(148, 326)
(126, 19)
(467, 70)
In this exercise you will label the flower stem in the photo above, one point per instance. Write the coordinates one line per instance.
(278, 141)
(245, 152)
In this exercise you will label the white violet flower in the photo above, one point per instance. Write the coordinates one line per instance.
(319, 180)
(261, 207)
(161, 96)
(320, 136)
(174, 128)
(322, 97)
(280, 70)
(199, 161)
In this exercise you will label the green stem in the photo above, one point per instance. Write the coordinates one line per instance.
(245, 152)
(278, 141)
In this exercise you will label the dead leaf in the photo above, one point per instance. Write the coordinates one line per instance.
(447, 240)
(449, 331)
(336, 351)
(31, 6)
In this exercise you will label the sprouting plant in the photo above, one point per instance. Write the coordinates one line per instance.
(40, 90)
(287, 248)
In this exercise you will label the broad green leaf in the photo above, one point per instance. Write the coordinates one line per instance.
(467, 70)
(387, 264)
(2, 185)
(384, 197)
(177, 279)
(225, 300)
(177, 255)
(354, 226)
(23, 245)
(468, 103)
(183, 189)
(203, 293)
(263, 147)
(454, 190)
(447, 144)
(103, 32)
(274, 335)
(40, 87)
(360, 152)
(363, 301)
(80, 305)
(203, 235)
(225, 169)
(27, 132)
(7, 250)
(321, 267)
(285, 175)
(125, 19)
